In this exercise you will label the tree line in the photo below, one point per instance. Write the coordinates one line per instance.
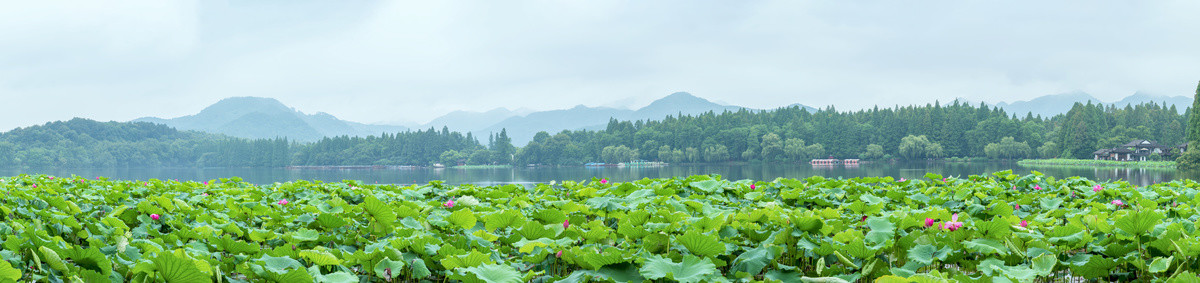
(790, 134)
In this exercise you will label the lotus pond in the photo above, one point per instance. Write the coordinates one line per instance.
(997, 228)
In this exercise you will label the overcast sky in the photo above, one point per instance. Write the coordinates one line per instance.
(414, 60)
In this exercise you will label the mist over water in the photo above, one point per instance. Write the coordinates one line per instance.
(764, 172)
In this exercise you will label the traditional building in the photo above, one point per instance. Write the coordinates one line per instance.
(1136, 150)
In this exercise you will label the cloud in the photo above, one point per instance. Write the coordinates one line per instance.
(414, 60)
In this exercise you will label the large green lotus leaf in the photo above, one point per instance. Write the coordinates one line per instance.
(1043, 265)
(997, 228)
(925, 254)
(329, 221)
(179, 268)
(51, 258)
(590, 258)
(754, 260)
(303, 235)
(388, 268)
(336, 277)
(462, 218)
(472, 259)
(489, 273)
(655, 243)
(279, 264)
(691, 269)
(990, 266)
(1097, 266)
(418, 270)
(986, 246)
(379, 211)
(708, 186)
(504, 219)
(891, 279)
(1139, 222)
(88, 275)
(90, 258)
(1185, 277)
(320, 257)
(8, 273)
(700, 244)
(1160, 264)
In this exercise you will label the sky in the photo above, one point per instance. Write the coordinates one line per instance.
(411, 61)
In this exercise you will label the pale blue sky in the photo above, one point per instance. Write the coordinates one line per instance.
(414, 60)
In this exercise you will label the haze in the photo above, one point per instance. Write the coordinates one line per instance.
(392, 61)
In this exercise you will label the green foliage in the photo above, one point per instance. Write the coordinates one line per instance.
(700, 229)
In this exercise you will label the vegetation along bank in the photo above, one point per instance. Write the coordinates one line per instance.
(1002, 227)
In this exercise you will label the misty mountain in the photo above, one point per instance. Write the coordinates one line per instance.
(1181, 102)
(1050, 105)
(522, 128)
(470, 120)
(1047, 105)
(257, 117)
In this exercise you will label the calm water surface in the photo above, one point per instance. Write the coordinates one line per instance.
(1137, 176)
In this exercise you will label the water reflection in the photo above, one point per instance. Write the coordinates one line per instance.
(909, 170)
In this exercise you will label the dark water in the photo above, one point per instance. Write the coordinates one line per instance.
(1137, 176)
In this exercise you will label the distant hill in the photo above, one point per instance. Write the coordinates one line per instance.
(471, 120)
(257, 117)
(1181, 102)
(1050, 105)
(522, 128)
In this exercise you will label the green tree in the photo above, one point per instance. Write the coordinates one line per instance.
(1193, 125)
(716, 153)
(1007, 148)
(1190, 160)
(873, 152)
(1049, 150)
(772, 146)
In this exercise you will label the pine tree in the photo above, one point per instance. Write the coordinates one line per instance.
(1193, 125)
(1190, 160)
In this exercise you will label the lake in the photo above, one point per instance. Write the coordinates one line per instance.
(910, 170)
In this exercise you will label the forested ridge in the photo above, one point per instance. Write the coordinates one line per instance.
(781, 135)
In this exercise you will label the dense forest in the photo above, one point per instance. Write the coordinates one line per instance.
(782, 135)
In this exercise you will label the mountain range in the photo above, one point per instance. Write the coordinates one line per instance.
(1050, 105)
(257, 118)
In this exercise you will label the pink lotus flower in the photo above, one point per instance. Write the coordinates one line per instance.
(206, 183)
(943, 179)
(751, 186)
(1097, 188)
(1037, 187)
(566, 223)
(1118, 202)
(953, 224)
(154, 216)
(928, 222)
(204, 194)
(604, 181)
(449, 204)
(1024, 224)
(558, 255)
(51, 177)
(902, 180)
(282, 202)
(97, 177)
(1017, 207)
(35, 186)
